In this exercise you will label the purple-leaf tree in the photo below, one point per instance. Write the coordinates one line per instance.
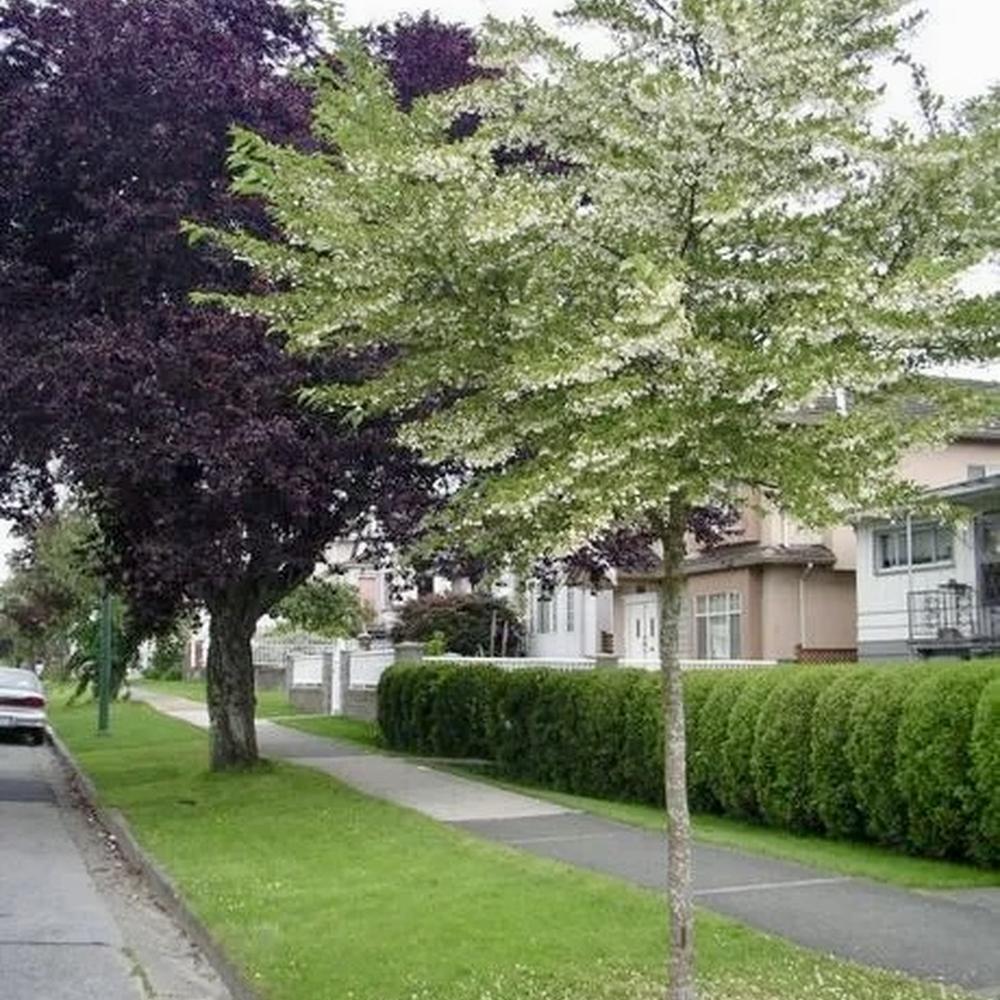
(179, 427)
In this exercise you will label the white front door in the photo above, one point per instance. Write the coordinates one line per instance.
(642, 629)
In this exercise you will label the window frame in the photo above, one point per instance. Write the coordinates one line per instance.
(546, 619)
(943, 547)
(731, 614)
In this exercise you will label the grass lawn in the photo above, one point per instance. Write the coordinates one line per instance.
(270, 704)
(842, 856)
(338, 727)
(320, 892)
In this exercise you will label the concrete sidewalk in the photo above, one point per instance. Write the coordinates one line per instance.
(949, 937)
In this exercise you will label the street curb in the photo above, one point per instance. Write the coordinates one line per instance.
(159, 883)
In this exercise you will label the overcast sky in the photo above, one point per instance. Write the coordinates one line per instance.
(958, 40)
(957, 43)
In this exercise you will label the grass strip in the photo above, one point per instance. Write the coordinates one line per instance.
(320, 892)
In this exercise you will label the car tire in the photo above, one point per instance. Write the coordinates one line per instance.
(36, 739)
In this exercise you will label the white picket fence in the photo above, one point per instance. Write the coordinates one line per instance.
(565, 663)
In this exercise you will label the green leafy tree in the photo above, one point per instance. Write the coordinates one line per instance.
(54, 583)
(686, 245)
(167, 660)
(323, 607)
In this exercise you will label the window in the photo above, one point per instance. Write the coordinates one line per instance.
(545, 614)
(717, 626)
(932, 544)
(570, 609)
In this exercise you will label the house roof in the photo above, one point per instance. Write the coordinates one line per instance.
(740, 555)
(822, 406)
(755, 554)
(978, 494)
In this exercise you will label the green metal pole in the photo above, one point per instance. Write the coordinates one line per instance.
(104, 665)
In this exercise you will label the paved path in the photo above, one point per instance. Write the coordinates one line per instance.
(950, 937)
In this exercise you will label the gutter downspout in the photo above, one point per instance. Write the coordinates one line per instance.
(802, 604)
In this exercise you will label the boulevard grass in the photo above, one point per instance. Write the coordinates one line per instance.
(318, 891)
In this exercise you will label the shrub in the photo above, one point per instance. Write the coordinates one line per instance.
(167, 661)
(832, 784)
(985, 752)
(711, 733)
(736, 786)
(933, 764)
(873, 727)
(781, 760)
(462, 711)
(466, 623)
(698, 685)
(642, 738)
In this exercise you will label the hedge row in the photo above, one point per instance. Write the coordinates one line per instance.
(906, 755)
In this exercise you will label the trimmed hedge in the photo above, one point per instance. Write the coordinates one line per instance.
(738, 794)
(985, 750)
(710, 736)
(832, 779)
(780, 760)
(904, 755)
(873, 729)
(934, 763)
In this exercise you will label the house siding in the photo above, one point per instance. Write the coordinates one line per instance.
(883, 624)
(825, 619)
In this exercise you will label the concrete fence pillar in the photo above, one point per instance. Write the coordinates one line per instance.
(345, 676)
(409, 652)
(329, 666)
(605, 661)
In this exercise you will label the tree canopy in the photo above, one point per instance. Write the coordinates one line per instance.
(179, 427)
(739, 243)
(716, 272)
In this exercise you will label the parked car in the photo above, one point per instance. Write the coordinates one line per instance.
(22, 704)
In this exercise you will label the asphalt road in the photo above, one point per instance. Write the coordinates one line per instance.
(58, 940)
(76, 922)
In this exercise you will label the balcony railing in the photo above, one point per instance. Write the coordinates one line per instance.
(951, 618)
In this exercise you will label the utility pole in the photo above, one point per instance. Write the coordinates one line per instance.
(104, 664)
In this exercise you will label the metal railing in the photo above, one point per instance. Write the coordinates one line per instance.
(952, 616)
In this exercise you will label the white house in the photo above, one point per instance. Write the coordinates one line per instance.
(927, 588)
(571, 622)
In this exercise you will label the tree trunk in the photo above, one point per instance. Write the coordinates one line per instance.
(680, 962)
(230, 678)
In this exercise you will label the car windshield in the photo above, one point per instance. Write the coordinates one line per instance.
(21, 679)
